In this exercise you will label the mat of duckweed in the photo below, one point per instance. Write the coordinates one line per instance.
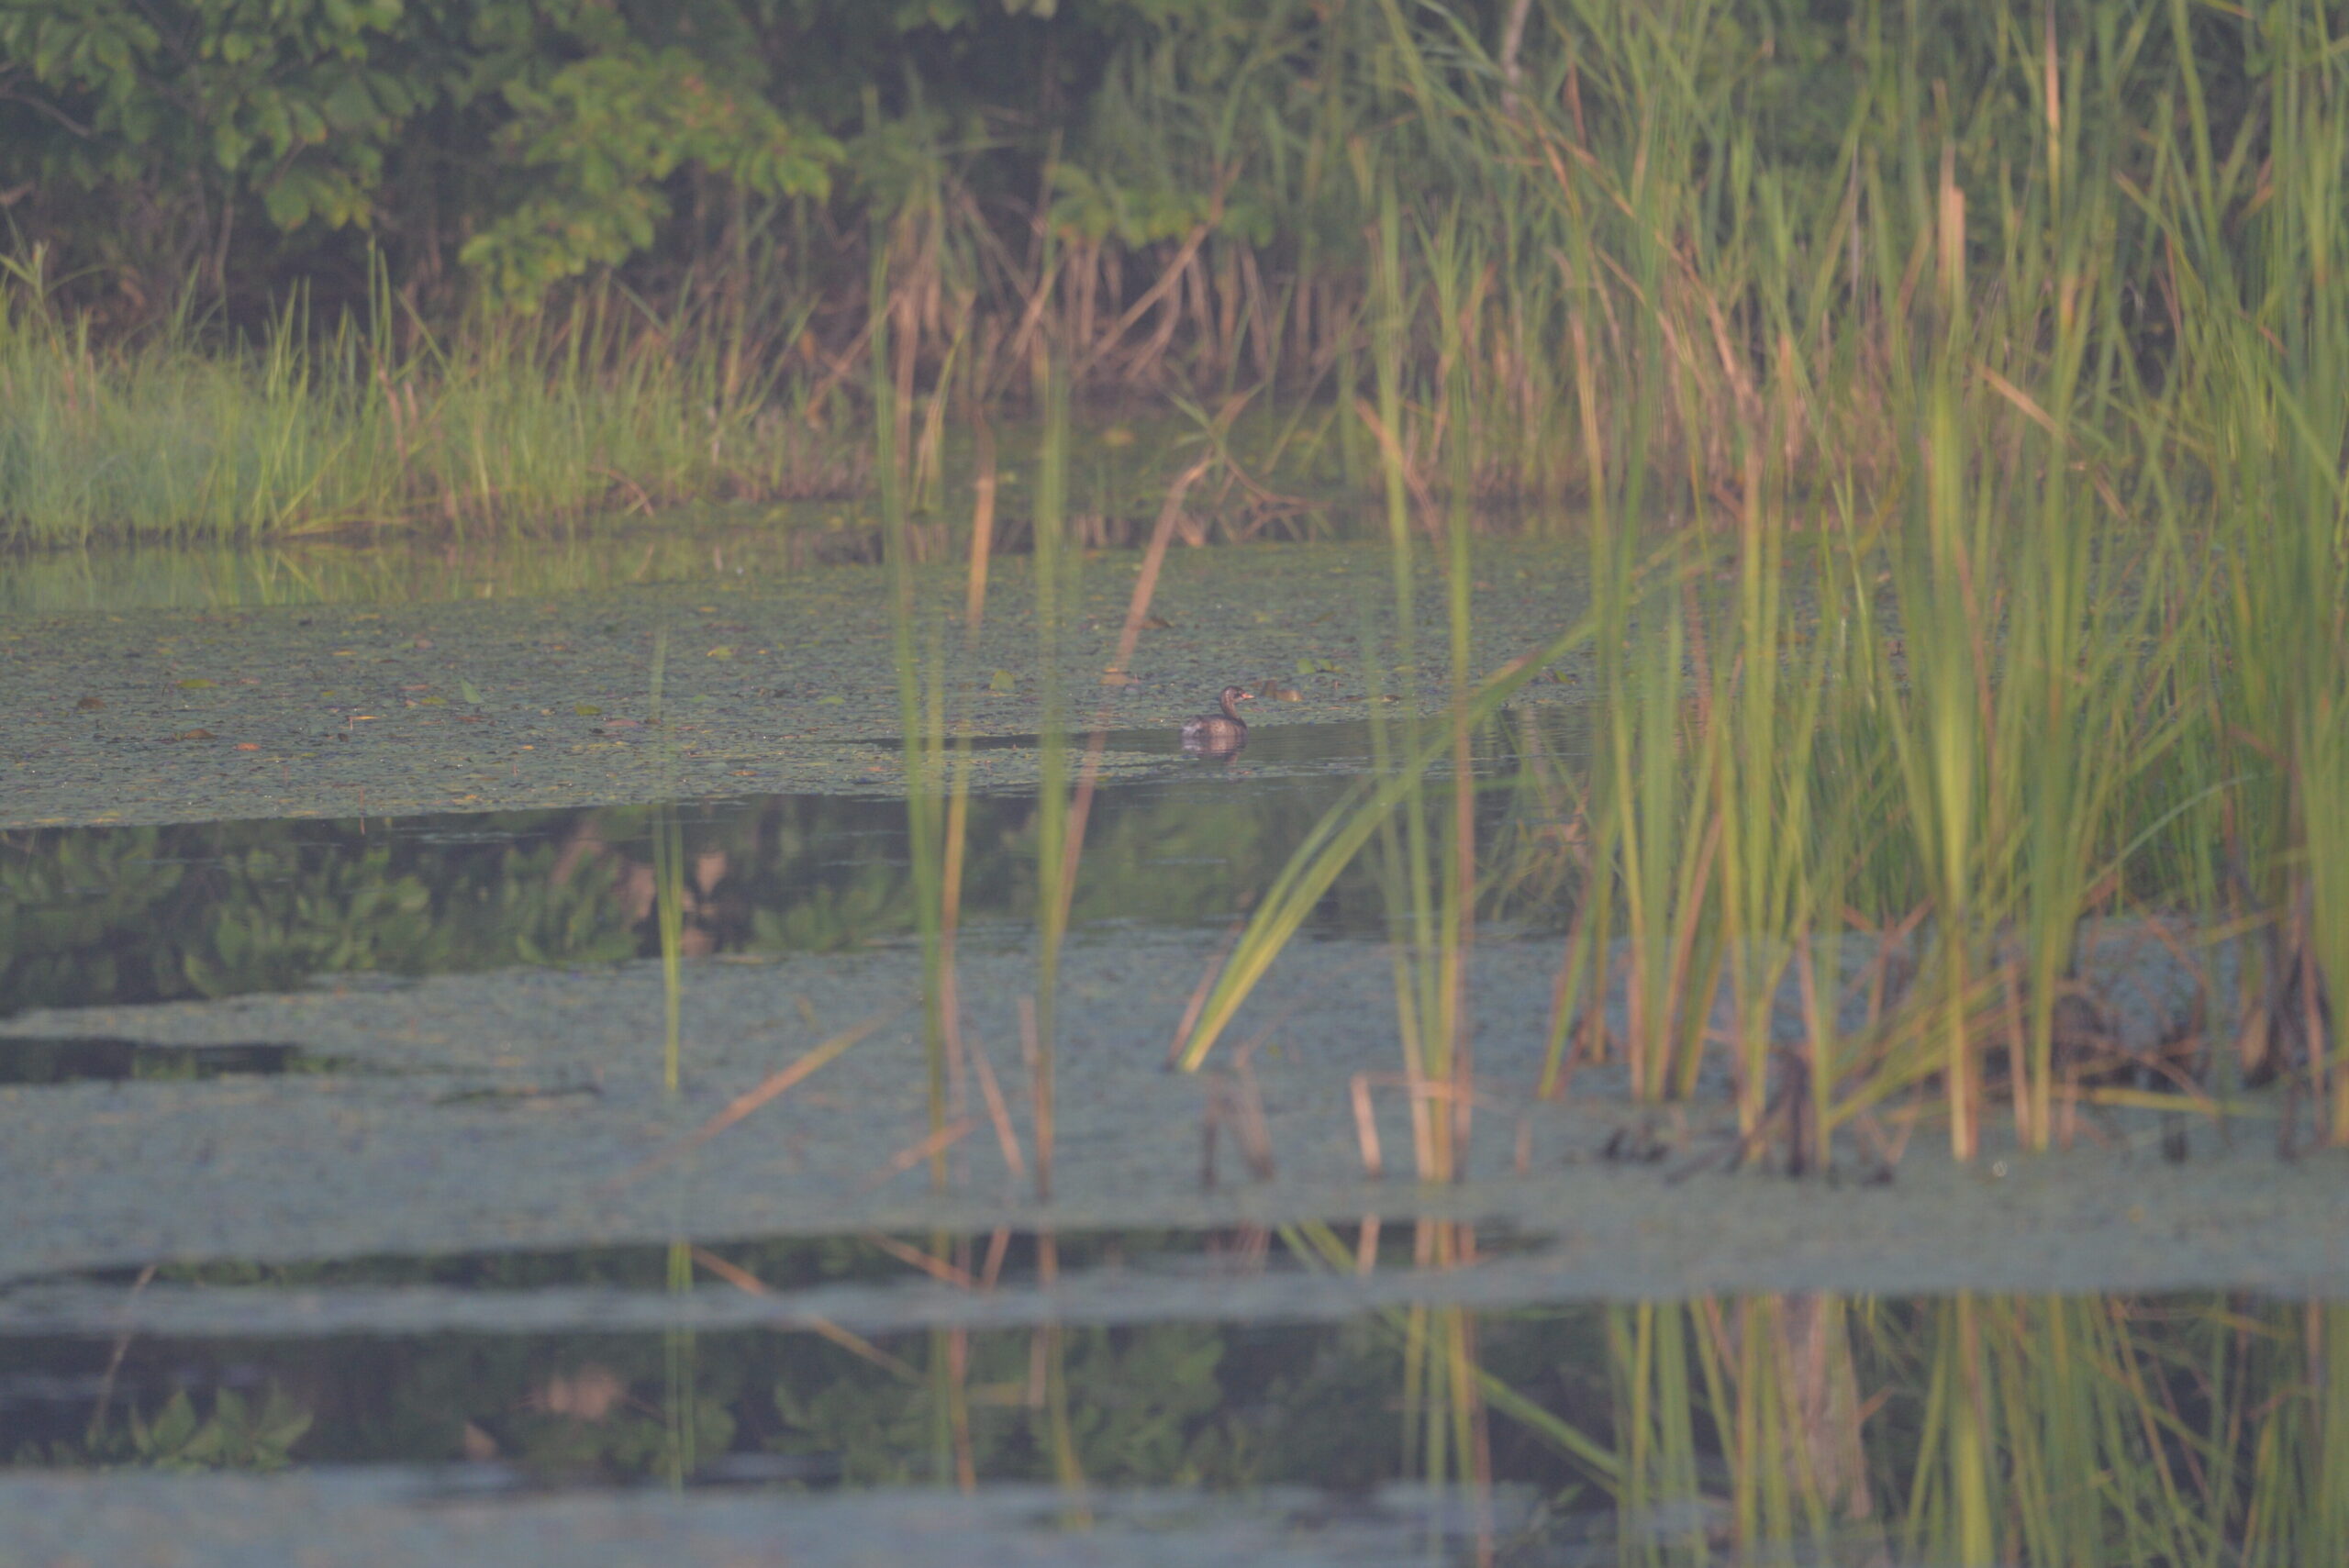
(359, 1520)
(766, 685)
(526, 1109)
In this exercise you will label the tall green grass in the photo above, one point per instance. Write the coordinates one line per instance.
(2011, 452)
(608, 406)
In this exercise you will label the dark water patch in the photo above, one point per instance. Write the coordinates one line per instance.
(40, 1059)
(604, 1406)
(2086, 1429)
(1344, 745)
(1347, 744)
(147, 914)
(1008, 1257)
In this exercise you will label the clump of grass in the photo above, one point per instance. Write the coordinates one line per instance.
(174, 435)
(2061, 635)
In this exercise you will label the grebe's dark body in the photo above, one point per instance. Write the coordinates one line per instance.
(1219, 733)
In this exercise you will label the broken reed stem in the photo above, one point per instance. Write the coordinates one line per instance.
(936, 1267)
(958, 1373)
(1039, 1088)
(975, 598)
(1161, 533)
(1137, 611)
(1374, 1162)
(854, 1343)
(743, 1105)
(958, 805)
(114, 1362)
(1007, 1136)
(1255, 1134)
(1232, 1101)
(936, 1143)
(998, 1248)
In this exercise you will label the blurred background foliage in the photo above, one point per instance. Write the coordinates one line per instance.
(500, 150)
(511, 146)
(286, 267)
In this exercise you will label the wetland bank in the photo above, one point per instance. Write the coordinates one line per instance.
(607, 944)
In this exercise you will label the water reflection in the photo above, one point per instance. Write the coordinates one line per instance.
(409, 566)
(2076, 1430)
(117, 916)
(40, 1059)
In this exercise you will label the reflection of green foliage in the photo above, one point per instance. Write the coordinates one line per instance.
(634, 1441)
(1146, 1404)
(61, 905)
(2207, 1423)
(1147, 1407)
(129, 915)
(828, 919)
(234, 1436)
(880, 1436)
(153, 914)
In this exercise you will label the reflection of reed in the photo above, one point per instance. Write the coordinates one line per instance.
(1446, 1435)
(669, 897)
(2032, 1430)
(2051, 1430)
(1052, 837)
(920, 694)
(2040, 1431)
(680, 1403)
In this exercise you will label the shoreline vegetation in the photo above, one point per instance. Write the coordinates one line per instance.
(1701, 251)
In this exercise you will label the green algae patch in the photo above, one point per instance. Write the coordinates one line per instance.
(775, 685)
(524, 1109)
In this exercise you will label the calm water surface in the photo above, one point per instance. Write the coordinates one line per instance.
(1120, 1396)
(116, 915)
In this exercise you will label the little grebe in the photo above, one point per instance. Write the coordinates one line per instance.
(1225, 731)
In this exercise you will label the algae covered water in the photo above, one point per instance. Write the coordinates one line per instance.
(164, 912)
(412, 1183)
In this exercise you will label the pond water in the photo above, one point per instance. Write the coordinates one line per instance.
(1075, 1382)
(146, 914)
(333, 1239)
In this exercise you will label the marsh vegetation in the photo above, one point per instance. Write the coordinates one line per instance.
(1945, 415)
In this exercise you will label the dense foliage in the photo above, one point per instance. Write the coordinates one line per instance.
(501, 149)
(521, 141)
(584, 255)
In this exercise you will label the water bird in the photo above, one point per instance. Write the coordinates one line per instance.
(1219, 734)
